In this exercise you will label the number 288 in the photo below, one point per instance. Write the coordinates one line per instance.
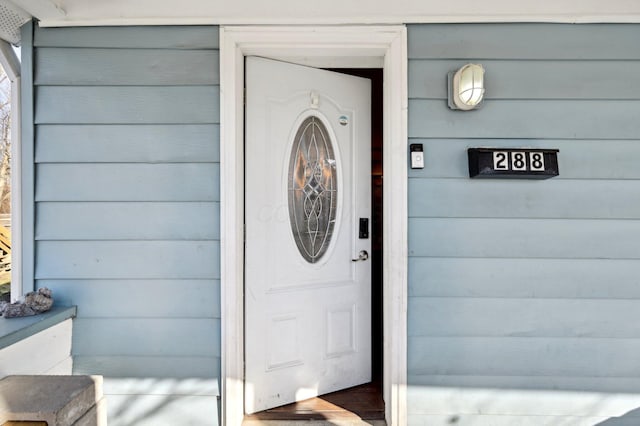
(518, 161)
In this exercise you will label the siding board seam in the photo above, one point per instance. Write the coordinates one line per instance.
(471, 139)
(79, 86)
(520, 337)
(134, 318)
(118, 163)
(630, 259)
(525, 375)
(541, 218)
(524, 299)
(128, 279)
(467, 179)
(115, 240)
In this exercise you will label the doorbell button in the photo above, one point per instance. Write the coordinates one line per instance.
(417, 156)
(417, 160)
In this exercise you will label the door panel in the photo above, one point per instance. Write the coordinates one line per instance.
(307, 166)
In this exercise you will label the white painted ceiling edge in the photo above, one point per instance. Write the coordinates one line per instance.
(52, 13)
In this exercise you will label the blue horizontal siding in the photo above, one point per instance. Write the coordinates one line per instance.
(127, 205)
(128, 182)
(128, 221)
(549, 79)
(191, 337)
(524, 278)
(128, 143)
(123, 105)
(511, 420)
(579, 158)
(159, 409)
(524, 285)
(568, 384)
(134, 67)
(593, 318)
(525, 238)
(172, 298)
(158, 259)
(523, 356)
(530, 119)
(151, 37)
(519, 41)
(143, 367)
(460, 198)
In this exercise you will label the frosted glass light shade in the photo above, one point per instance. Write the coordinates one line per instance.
(467, 87)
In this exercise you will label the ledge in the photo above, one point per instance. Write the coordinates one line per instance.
(13, 330)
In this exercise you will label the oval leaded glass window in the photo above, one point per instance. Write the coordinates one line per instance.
(312, 189)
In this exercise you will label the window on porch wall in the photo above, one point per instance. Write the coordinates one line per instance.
(5, 186)
(10, 289)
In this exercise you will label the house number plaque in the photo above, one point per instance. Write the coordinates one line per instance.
(509, 163)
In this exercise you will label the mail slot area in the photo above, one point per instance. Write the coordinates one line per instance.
(523, 221)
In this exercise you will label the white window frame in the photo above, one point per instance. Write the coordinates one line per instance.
(11, 65)
(328, 46)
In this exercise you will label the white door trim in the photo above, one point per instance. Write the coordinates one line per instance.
(328, 46)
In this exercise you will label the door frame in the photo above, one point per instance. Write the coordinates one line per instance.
(323, 46)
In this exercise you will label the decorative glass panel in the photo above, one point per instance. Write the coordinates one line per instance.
(312, 189)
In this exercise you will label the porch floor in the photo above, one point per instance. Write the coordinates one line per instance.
(349, 406)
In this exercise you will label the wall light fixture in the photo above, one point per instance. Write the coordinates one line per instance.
(466, 87)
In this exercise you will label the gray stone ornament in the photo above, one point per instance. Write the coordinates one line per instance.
(35, 302)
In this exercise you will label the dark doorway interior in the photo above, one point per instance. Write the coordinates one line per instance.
(366, 401)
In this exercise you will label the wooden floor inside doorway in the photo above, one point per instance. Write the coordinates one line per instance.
(361, 402)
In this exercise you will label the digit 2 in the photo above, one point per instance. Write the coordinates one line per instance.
(500, 161)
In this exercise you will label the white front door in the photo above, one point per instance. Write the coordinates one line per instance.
(307, 217)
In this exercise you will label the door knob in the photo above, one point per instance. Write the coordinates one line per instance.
(363, 255)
